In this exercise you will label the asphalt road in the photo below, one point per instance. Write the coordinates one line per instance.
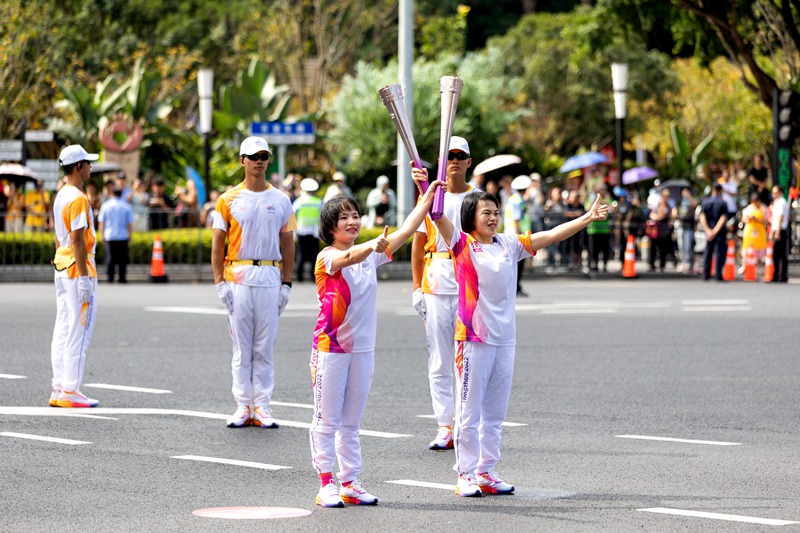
(713, 366)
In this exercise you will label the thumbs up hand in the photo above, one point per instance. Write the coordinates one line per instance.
(381, 243)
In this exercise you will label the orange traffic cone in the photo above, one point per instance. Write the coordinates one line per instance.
(157, 274)
(729, 270)
(629, 266)
(750, 265)
(769, 266)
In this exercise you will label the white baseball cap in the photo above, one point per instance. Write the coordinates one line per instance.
(382, 180)
(339, 176)
(75, 153)
(521, 183)
(253, 145)
(309, 185)
(459, 143)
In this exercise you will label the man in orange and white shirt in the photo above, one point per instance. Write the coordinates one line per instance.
(436, 293)
(253, 280)
(75, 280)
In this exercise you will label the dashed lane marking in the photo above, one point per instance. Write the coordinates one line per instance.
(127, 388)
(289, 404)
(686, 441)
(716, 306)
(720, 516)
(526, 494)
(43, 438)
(234, 462)
(12, 376)
(251, 513)
(218, 311)
(507, 424)
(90, 411)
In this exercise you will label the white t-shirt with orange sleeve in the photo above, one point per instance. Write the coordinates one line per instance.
(348, 304)
(71, 211)
(253, 222)
(487, 279)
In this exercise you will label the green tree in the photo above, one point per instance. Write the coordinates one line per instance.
(364, 138)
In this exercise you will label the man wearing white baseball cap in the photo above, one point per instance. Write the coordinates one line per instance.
(254, 279)
(75, 280)
(435, 294)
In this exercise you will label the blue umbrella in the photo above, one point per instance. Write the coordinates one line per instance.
(582, 161)
(199, 184)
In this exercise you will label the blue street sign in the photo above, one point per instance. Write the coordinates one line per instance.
(284, 132)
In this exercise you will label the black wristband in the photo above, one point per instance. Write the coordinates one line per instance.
(287, 283)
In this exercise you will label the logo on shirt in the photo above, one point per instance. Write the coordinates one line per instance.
(476, 247)
(271, 209)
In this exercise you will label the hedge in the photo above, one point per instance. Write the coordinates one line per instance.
(181, 246)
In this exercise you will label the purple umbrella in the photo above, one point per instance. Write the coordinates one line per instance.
(638, 174)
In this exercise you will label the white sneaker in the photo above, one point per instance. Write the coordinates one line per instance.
(263, 418)
(328, 496)
(443, 440)
(355, 494)
(240, 418)
(490, 483)
(467, 486)
(54, 394)
(75, 399)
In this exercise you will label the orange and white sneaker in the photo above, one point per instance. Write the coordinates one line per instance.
(328, 496)
(467, 486)
(54, 394)
(355, 494)
(240, 418)
(75, 399)
(490, 483)
(263, 418)
(443, 440)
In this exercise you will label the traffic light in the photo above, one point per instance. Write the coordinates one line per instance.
(786, 128)
(786, 117)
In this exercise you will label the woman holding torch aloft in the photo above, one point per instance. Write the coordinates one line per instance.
(486, 271)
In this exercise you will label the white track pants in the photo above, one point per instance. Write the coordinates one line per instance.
(341, 386)
(72, 333)
(485, 374)
(254, 325)
(440, 325)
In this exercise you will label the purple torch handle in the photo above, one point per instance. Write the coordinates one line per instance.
(450, 88)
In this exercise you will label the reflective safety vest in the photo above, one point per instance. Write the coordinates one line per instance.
(306, 211)
(516, 210)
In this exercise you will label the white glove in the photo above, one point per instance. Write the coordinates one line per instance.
(418, 301)
(225, 295)
(283, 298)
(84, 289)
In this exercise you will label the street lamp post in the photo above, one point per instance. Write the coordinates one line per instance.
(619, 82)
(205, 90)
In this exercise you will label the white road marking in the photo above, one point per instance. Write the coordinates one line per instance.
(39, 437)
(289, 404)
(715, 302)
(89, 411)
(217, 311)
(249, 464)
(717, 308)
(12, 376)
(507, 424)
(720, 516)
(687, 441)
(567, 311)
(127, 388)
(426, 484)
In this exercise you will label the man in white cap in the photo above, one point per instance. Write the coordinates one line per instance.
(75, 280)
(381, 204)
(253, 280)
(306, 210)
(516, 219)
(339, 186)
(435, 294)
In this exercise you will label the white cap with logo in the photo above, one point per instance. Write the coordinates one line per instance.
(75, 153)
(253, 145)
(459, 143)
(309, 184)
